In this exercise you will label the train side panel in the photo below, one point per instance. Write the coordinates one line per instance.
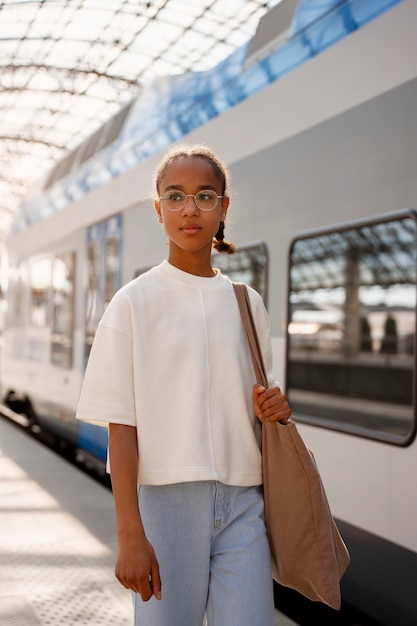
(328, 144)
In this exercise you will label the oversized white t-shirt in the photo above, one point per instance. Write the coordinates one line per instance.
(170, 357)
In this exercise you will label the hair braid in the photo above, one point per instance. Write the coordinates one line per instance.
(222, 245)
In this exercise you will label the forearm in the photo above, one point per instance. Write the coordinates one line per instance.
(137, 566)
(123, 455)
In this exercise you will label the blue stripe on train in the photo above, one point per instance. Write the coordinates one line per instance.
(93, 439)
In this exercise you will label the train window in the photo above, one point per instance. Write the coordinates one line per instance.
(352, 327)
(104, 262)
(39, 284)
(249, 264)
(63, 273)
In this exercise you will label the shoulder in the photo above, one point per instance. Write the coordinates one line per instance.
(254, 296)
(131, 289)
(258, 308)
(128, 301)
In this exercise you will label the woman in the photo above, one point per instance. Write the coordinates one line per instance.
(170, 372)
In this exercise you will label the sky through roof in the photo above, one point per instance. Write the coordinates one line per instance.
(67, 66)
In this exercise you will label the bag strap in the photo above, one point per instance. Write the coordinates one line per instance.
(243, 301)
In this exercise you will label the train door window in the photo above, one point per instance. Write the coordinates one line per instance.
(111, 260)
(92, 300)
(4, 270)
(39, 284)
(63, 272)
(17, 280)
(351, 359)
(104, 262)
(249, 264)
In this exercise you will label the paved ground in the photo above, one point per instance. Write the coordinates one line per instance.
(57, 542)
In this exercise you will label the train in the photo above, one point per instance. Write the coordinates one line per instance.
(319, 130)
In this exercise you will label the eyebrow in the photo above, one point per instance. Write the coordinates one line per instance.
(199, 188)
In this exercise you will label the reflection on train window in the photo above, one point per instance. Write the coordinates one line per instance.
(16, 310)
(39, 282)
(351, 331)
(104, 262)
(92, 307)
(63, 270)
(112, 268)
(249, 264)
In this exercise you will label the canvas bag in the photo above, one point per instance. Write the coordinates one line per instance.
(307, 550)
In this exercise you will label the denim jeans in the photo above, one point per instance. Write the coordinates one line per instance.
(211, 544)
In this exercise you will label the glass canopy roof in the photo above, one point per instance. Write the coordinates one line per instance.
(67, 66)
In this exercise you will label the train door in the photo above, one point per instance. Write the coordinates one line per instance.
(104, 272)
(104, 250)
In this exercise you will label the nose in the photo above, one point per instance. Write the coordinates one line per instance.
(190, 207)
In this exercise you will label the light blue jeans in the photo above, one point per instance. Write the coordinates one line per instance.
(211, 544)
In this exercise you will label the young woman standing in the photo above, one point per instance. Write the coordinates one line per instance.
(170, 372)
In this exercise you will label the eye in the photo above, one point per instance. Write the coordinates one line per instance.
(206, 195)
(174, 196)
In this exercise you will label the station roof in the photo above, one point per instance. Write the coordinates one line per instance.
(67, 66)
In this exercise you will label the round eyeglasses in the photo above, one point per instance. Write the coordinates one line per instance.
(205, 200)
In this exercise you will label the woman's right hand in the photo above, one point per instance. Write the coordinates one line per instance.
(137, 567)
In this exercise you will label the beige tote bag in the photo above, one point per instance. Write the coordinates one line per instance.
(307, 550)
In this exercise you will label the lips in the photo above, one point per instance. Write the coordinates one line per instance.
(190, 229)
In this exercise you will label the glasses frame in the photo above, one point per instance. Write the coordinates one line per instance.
(190, 195)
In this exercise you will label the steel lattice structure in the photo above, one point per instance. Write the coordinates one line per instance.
(66, 66)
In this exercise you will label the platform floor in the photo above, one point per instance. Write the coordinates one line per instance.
(57, 542)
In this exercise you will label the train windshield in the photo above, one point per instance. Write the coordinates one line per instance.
(352, 327)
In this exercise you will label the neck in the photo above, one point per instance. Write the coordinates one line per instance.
(192, 265)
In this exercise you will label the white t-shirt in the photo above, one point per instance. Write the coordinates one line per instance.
(170, 357)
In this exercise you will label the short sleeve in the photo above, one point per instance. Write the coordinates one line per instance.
(107, 393)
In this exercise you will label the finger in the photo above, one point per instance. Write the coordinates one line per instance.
(145, 588)
(121, 577)
(275, 399)
(276, 408)
(156, 582)
(282, 413)
(257, 391)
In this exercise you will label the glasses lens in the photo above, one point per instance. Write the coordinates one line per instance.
(206, 200)
(175, 200)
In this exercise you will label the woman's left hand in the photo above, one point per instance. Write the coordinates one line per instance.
(270, 404)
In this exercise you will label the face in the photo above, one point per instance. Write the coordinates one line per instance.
(190, 231)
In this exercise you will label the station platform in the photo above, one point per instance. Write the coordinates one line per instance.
(57, 541)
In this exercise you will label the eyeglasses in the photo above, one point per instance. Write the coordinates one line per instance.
(205, 200)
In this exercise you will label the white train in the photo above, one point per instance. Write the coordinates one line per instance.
(321, 139)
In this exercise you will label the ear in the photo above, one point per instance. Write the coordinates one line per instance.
(157, 207)
(225, 206)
